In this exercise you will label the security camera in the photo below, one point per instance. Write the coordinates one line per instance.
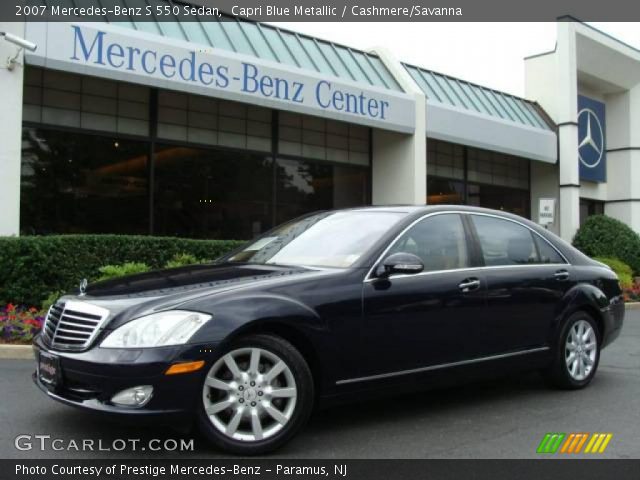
(20, 42)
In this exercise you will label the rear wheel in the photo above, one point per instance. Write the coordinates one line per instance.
(256, 395)
(577, 353)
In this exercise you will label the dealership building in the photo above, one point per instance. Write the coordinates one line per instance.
(225, 129)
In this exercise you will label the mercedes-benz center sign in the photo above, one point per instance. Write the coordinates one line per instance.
(592, 150)
(127, 55)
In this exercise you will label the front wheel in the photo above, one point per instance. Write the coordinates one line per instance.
(577, 353)
(256, 395)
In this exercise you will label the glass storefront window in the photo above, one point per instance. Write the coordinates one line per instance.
(303, 186)
(78, 183)
(78, 101)
(213, 173)
(206, 193)
(494, 168)
(445, 160)
(443, 191)
(590, 207)
(493, 180)
(73, 182)
(500, 198)
(208, 121)
(318, 138)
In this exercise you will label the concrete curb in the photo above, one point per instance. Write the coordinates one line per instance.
(17, 352)
(25, 352)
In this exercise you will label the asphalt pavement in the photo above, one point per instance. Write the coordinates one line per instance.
(505, 418)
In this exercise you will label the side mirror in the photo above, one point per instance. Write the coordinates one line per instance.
(406, 263)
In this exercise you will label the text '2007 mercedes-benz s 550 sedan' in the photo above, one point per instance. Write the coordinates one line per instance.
(331, 306)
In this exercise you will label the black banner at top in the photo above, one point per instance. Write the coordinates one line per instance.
(316, 10)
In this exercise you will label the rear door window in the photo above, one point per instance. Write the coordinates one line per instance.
(548, 254)
(504, 242)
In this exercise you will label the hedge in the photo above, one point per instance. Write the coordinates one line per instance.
(603, 236)
(624, 272)
(33, 267)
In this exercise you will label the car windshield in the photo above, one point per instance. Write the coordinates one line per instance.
(329, 239)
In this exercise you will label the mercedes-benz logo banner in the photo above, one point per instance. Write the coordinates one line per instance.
(592, 151)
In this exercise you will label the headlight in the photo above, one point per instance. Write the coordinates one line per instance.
(174, 327)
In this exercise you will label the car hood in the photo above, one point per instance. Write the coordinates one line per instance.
(136, 295)
(185, 279)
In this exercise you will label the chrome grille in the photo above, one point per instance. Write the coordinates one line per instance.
(73, 325)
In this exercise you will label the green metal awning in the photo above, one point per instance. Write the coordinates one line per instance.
(469, 114)
(452, 92)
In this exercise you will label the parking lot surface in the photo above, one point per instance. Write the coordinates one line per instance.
(505, 418)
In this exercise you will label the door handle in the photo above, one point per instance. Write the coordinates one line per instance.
(469, 285)
(561, 275)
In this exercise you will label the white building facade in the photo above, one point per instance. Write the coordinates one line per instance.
(225, 129)
(591, 66)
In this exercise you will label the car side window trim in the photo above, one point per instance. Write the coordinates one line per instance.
(399, 276)
(370, 277)
(475, 249)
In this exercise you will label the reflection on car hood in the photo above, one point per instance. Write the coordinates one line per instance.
(136, 295)
(184, 279)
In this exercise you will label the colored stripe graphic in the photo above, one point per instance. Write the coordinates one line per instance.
(598, 443)
(573, 443)
(566, 445)
(550, 442)
(581, 443)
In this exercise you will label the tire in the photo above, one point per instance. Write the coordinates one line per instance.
(576, 373)
(258, 405)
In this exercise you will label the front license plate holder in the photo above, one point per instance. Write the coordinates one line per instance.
(49, 372)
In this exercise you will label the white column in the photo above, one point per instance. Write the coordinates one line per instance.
(399, 168)
(623, 157)
(544, 184)
(634, 153)
(11, 82)
(567, 118)
(541, 77)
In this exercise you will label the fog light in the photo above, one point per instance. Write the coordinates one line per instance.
(133, 397)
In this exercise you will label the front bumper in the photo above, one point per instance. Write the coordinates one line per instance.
(88, 380)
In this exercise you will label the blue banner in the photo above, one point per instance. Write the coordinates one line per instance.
(592, 150)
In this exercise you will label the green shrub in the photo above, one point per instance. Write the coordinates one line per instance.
(603, 236)
(33, 267)
(50, 300)
(114, 271)
(181, 260)
(624, 272)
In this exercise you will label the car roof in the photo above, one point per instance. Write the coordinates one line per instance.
(415, 211)
(422, 209)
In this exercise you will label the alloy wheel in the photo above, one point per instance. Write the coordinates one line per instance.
(249, 394)
(581, 349)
